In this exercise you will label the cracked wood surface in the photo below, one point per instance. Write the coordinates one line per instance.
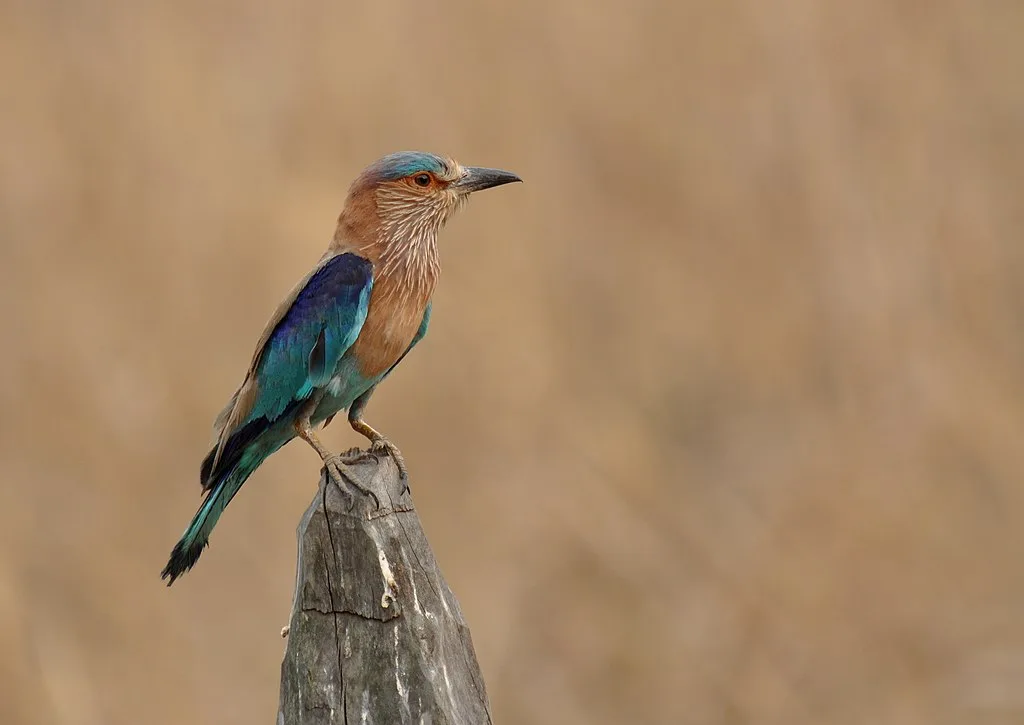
(376, 637)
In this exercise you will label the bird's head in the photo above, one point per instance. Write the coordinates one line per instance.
(411, 194)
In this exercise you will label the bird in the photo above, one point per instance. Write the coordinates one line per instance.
(342, 329)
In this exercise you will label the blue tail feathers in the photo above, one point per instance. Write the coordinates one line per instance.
(243, 453)
(186, 552)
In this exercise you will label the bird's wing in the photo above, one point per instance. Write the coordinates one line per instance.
(302, 343)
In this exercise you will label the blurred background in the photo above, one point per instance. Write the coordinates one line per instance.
(721, 415)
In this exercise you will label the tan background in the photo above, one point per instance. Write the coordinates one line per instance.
(721, 418)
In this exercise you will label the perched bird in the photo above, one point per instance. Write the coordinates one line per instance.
(342, 329)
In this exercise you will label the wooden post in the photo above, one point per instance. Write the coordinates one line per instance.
(376, 637)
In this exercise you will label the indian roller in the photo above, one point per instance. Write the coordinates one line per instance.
(340, 331)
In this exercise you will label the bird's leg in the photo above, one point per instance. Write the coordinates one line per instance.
(334, 464)
(378, 443)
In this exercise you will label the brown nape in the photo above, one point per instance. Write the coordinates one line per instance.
(358, 224)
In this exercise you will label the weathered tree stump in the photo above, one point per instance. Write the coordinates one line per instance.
(376, 636)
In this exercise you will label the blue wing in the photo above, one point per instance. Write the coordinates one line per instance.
(322, 323)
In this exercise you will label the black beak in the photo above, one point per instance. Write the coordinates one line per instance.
(477, 178)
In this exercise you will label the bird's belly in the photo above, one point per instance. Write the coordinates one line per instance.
(347, 384)
(335, 386)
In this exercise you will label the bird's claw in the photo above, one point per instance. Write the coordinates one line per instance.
(337, 470)
(380, 447)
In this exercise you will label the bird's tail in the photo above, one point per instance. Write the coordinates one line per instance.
(221, 486)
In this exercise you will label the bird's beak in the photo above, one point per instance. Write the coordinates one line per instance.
(477, 178)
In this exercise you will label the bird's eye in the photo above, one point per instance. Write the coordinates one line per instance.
(422, 179)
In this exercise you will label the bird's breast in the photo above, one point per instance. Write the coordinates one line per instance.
(392, 320)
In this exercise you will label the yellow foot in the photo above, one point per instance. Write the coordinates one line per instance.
(337, 469)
